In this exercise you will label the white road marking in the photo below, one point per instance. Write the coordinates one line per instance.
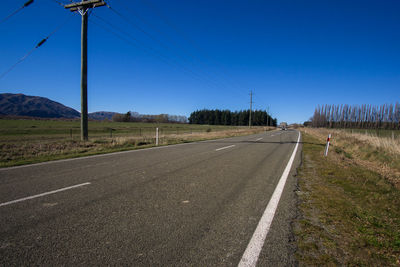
(43, 194)
(258, 139)
(252, 252)
(225, 147)
(110, 154)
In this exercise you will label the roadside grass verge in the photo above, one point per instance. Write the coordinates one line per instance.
(379, 154)
(349, 212)
(28, 149)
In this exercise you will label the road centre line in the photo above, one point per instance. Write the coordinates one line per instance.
(43, 194)
(109, 154)
(252, 252)
(258, 139)
(218, 149)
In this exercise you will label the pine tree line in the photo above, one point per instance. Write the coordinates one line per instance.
(227, 117)
(385, 116)
(136, 117)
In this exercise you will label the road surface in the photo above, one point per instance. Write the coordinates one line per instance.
(192, 204)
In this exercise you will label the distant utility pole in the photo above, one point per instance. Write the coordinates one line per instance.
(83, 8)
(251, 104)
(268, 116)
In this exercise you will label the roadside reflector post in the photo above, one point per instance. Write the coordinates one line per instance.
(157, 136)
(327, 145)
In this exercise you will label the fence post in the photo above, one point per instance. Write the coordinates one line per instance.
(327, 145)
(70, 133)
(157, 136)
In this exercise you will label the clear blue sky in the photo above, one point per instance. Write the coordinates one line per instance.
(293, 54)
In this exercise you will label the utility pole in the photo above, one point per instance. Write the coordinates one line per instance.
(251, 104)
(83, 8)
(268, 116)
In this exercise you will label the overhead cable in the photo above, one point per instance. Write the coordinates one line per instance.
(39, 44)
(191, 58)
(16, 11)
(125, 36)
(190, 41)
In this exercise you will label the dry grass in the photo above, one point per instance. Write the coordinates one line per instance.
(31, 151)
(389, 144)
(381, 154)
(167, 139)
(349, 211)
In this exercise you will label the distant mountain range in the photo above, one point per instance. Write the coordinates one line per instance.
(21, 105)
(34, 106)
(101, 115)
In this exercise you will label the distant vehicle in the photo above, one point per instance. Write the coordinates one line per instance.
(283, 126)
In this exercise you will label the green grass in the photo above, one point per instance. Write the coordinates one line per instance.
(349, 215)
(14, 129)
(32, 141)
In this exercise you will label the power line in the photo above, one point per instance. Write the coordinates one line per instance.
(148, 49)
(158, 13)
(16, 11)
(39, 44)
(168, 47)
(138, 44)
(215, 78)
(144, 31)
(114, 30)
(58, 2)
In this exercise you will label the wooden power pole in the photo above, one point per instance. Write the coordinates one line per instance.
(83, 8)
(251, 104)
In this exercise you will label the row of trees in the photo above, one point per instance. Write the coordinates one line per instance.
(385, 116)
(161, 118)
(227, 117)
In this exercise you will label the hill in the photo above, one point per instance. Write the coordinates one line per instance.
(34, 106)
(101, 115)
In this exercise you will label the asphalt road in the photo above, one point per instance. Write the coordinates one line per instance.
(193, 204)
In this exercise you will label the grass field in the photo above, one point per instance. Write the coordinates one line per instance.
(375, 132)
(31, 141)
(349, 202)
(30, 129)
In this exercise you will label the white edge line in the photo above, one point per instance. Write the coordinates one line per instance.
(225, 147)
(90, 157)
(258, 139)
(252, 252)
(43, 194)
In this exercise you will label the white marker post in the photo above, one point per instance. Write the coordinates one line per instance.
(327, 145)
(157, 136)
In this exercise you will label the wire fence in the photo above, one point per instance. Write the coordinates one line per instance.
(74, 133)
